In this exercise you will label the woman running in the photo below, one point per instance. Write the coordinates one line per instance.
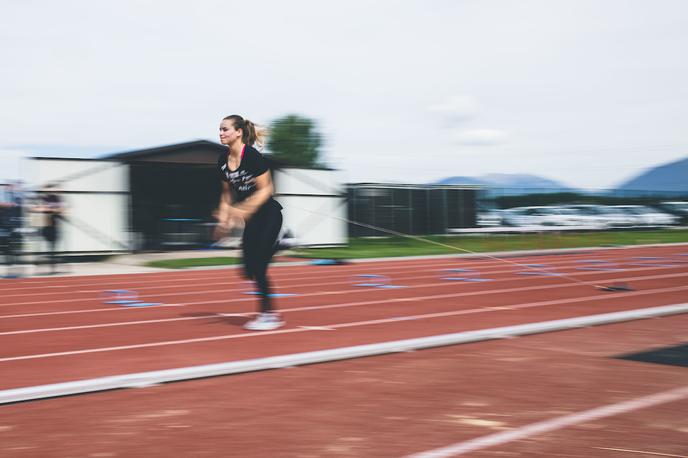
(246, 175)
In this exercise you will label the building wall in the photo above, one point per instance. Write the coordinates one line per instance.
(314, 205)
(96, 197)
(99, 201)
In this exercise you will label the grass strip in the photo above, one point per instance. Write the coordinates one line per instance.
(381, 247)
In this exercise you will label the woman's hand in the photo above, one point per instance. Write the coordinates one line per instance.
(236, 213)
(221, 230)
(235, 218)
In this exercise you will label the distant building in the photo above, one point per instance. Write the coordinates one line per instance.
(164, 197)
(410, 209)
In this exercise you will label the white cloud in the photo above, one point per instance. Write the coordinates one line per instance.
(480, 137)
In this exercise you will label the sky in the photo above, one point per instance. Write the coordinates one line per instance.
(586, 92)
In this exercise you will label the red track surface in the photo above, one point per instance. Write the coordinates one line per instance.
(55, 330)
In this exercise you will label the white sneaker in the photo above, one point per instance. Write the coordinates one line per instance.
(265, 322)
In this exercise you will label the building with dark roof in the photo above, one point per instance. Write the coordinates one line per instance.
(165, 197)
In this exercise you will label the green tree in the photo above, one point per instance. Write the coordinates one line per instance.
(294, 140)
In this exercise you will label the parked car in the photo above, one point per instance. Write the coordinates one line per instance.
(679, 209)
(539, 216)
(647, 216)
(605, 216)
(576, 218)
(490, 218)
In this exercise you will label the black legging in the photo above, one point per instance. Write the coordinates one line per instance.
(259, 245)
(50, 233)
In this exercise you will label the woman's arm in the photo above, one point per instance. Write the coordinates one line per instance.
(224, 213)
(224, 207)
(264, 190)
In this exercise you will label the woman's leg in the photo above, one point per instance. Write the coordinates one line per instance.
(50, 235)
(260, 244)
(53, 255)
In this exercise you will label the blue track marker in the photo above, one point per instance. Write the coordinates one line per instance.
(126, 298)
(373, 281)
(603, 269)
(600, 264)
(468, 275)
(120, 297)
(654, 261)
(680, 258)
(142, 304)
(258, 293)
(328, 262)
(539, 270)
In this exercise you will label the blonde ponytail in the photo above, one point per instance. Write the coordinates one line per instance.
(252, 134)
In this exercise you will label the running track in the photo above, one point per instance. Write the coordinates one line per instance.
(57, 330)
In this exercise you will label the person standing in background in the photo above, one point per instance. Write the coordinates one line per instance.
(12, 206)
(53, 208)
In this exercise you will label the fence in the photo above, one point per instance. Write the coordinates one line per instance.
(410, 209)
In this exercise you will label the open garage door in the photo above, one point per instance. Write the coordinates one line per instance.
(172, 204)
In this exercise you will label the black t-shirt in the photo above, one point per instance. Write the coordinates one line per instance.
(243, 179)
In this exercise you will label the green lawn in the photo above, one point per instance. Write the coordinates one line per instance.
(359, 248)
(384, 247)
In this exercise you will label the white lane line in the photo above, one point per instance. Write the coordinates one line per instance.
(484, 310)
(482, 293)
(336, 354)
(70, 312)
(278, 277)
(452, 295)
(363, 303)
(336, 326)
(108, 325)
(343, 280)
(491, 440)
(290, 271)
(401, 270)
(153, 344)
(342, 305)
(365, 290)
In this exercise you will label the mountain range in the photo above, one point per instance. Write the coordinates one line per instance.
(667, 179)
(511, 182)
